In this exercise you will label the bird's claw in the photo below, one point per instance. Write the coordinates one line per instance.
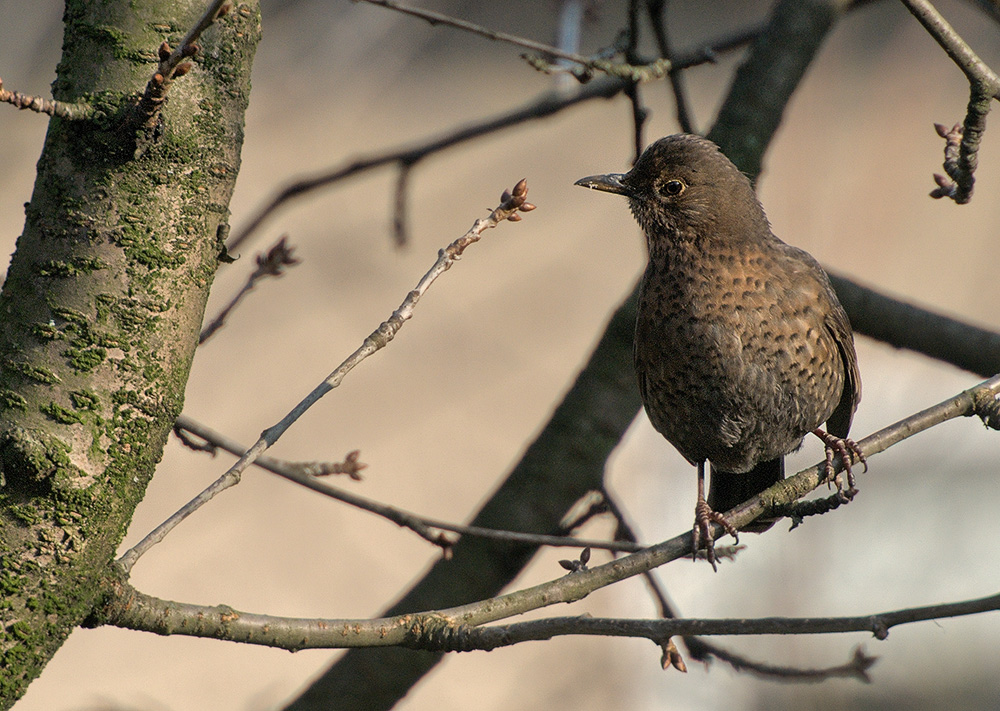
(704, 517)
(847, 449)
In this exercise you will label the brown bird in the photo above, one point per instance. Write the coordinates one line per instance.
(741, 346)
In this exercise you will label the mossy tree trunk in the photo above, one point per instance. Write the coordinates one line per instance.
(100, 312)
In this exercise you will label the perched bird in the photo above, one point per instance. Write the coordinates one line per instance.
(741, 346)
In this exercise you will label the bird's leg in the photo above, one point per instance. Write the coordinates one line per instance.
(846, 449)
(704, 517)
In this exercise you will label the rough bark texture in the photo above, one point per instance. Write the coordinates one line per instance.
(100, 312)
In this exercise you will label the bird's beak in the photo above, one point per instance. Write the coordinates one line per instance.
(610, 183)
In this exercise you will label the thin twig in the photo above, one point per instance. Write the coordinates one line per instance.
(437, 18)
(543, 106)
(430, 529)
(657, 12)
(632, 91)
(173, 62)
(984, 87)
(269, 264)
(654, 70)
(62, 109)
(511, 204)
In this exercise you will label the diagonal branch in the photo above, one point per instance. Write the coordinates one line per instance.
(429, 529)
(511, 204)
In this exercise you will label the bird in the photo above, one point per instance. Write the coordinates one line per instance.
(741, 346)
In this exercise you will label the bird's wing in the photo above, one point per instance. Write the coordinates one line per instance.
(839, 327)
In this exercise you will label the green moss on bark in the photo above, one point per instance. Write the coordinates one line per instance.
(102, 306)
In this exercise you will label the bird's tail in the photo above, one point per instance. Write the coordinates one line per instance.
(727, 490)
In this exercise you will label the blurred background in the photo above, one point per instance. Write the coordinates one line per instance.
(443, 413)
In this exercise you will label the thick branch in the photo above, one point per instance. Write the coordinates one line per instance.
(447, 629)
(455, 631)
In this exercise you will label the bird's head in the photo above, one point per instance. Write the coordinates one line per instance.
(683, 187)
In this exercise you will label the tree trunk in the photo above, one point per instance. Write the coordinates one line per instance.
(100, 312)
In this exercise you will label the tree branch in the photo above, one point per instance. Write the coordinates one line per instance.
(543, 106)
(510, 206)
(429, 529)
(452, 629)
(173, 62)
(68, 111)
(962, 142)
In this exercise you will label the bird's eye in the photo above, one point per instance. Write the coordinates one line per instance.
(672, 188)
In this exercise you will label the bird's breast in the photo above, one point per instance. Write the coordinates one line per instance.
(734, 362)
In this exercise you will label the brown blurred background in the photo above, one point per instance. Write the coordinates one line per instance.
(446, 409)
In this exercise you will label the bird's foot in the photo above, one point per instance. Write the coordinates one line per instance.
(847, 449)
(704, 517)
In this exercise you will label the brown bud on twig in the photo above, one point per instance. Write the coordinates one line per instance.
(164, 51)
(350, 466)
(672, 657)
(190, 50)
(514, 218)
(182, 69)
(575, 566)
(521, 189)
(224, 10)
(527, 207)
(505, 197)
(277, 258)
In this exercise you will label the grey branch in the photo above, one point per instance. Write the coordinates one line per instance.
(452, 629)
(455, 630)
(512, 203)
(71, 112)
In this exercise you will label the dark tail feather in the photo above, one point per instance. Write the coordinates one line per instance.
(727, 490)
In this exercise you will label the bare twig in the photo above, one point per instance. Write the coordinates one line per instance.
(541, 107)
(962, 141)
(269, 264)
(654, 70)
(512, 203)
(173, 62)
(437, 18)
(429, 529)
(71, 112)
(656, 9)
